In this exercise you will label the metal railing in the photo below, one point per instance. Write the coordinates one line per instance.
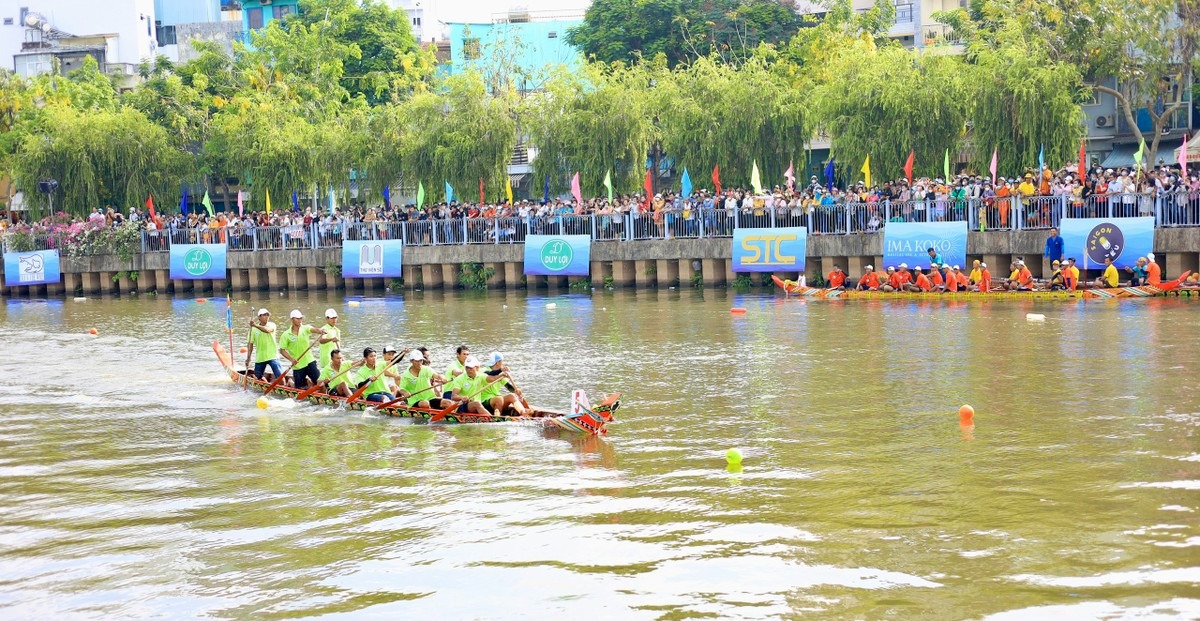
(1180, 209)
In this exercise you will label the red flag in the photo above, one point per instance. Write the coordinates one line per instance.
(648, 186)
(908, 166)
(153, 214)
(1082, 160)
(717, 178)
(481, 191)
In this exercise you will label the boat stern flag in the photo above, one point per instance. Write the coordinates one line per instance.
(648, 186)
(866, 170)
(686, 183)
(481, 195)
(240, 211)
(716, 178)
(575, 191)
(387, 197)
(755, 179)
(158, 223)
(790, 176)
(908, 165)
(449, 193)
(829, 172)
(1041, 162)
(608, 184)
(546, 190)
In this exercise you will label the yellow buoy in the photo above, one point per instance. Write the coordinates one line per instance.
(733, 456)
(263, 403)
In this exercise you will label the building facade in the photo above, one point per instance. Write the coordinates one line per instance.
(179, 23)
(256, 14)
(532, 41)
(35, 35)
(424, 18)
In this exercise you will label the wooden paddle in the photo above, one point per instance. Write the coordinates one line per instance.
(246, 377)
(311, 389)
(358, 393)
(440, 415)
(399, 399)
(289, 369)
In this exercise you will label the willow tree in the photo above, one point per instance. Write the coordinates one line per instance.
(711, 113)
(593, 121)
(99, 157)
(888, 102)
(270, 144)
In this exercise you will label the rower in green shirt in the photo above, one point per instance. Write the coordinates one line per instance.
(262, 345)
(331, 340)
(338, 375)
(296, 345)
(491, 395)
(417, 383)
(373, 371)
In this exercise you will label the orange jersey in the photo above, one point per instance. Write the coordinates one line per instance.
(1068, 278)
(923, 283)
(935, 276)
(1153, 274)
(869, 280)
(962, 281)
(837, 279)
(1025, 277)
(951, 283)
(985, 281)
(895, 280)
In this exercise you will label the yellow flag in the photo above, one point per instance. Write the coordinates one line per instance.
(269, 206)
(508, 191)
(866, 170)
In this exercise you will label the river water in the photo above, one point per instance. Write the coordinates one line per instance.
(136, 482)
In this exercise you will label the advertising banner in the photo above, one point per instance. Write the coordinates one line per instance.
(198, 261)
(770, 250)
(379, 258)
(39, 267)
(1091, 240)
(909, 242)
(558, 255)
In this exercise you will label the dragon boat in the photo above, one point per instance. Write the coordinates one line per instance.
(582, 418)
(1146, 291)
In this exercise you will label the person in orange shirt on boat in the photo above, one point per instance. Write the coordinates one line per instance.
(935, 277)
(906, 279)
(1023, 279)
(869, 280)
(1058, 280)
(921, 284)
(985, 279)
(893, 282)
(837, 278)
(1074, 281)
(1069, 280)
(963, 283)
(1153, 271)
(948, 277)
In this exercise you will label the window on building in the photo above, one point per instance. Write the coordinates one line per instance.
(255, 18)
(553, 35)
(904, 13)
(416, 21)
(471, 48)
(8, 21)
(164, 34)
(281, 11)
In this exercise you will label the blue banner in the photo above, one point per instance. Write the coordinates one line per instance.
(198, 261)
(770, 250)
(1090, 240)
(558, 255)
(379, 258)
(39, 267)
(909, 242)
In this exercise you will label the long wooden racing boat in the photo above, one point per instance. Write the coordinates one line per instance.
(583, 417)
(1082, 294)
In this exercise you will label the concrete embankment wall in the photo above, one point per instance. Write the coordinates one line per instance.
(627, 264)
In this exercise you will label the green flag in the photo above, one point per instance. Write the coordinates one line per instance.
(608, 184)
(755, 179)
(946, 166)
(420, 194)
(1141, 152)
(207, 204)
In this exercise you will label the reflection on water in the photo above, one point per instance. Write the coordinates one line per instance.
(136, 482)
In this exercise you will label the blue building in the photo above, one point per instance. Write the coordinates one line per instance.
(178, 23)
(534, 43)
(256, 14)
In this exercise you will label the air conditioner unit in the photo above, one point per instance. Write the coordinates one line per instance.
(1104, 120)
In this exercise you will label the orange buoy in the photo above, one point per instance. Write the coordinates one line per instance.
(93, 332)
(737, 311)
(201, 300)
(966, 416)
(242, 350)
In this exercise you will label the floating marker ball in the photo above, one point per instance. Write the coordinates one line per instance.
(262, 403)
(242, 350)
(201, 300)
(966, 415)
(353, 304)
(737, 311)
(93, 332)
(552, 305)
(733, 457)
(1035, 317)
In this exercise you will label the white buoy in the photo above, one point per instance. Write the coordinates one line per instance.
(353, 304)
(80, 299)
(550, 305)
(1035, 317)
(506, 306)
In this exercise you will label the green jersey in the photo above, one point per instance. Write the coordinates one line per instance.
(380, 383)
(466, 386)
(419, 383)
(298, 345)
(326, 349)
(265, 348)
(455, 369)
(493, 389)
(328, 372)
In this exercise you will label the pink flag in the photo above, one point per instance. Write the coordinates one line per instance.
(995, 152)
(576, 193)
(239, 203)
(1183, 160)
(790, 177)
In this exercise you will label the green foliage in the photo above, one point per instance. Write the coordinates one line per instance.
(697, 280)
(475, 276)
(609, 283)
(817, 281)
(581, 285)
(333, 269)
(742, 281)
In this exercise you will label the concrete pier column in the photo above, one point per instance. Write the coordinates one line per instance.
(107, 284)
(1178, 263)
(533, 283)
(147, 281)
(277, 278)
(714, 272)
(686, 271)
(624, 273)
(207, 286)
(644, 273)
(125, 284)
(378, 284)
(55, 289)
(667, 272)
(91, 283)
(315, 278)
(512, 275)
(162, 281)
(431, 276)
(72, 283)
(297, 278)
(730, 275)
(556, 282)
(413, 277)
(856, 266)
(998, 266)
(498, 277)
(182, 286)
(257, 278)
(239, 280)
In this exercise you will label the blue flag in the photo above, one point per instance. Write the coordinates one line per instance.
(546, 191)
(829, 174)
(331, 203)
(183, 202)
(387, 195)
(686, 184)
(1041, 162)
(295, 202)
(449, 194)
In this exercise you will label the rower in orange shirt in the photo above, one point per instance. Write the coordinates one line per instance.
(894, 282)
(1153, 271)
(951, 281)
(985, 278)
(922, 283)
(837, 278)
(935, 277)
(1068, 277)
(869, 280)
(959, 276)
(1024, 280)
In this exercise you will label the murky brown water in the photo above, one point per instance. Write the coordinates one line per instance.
(136, 483)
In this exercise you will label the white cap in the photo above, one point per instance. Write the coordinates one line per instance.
(331, 314)
(916, 268)
(1020, 262)
(869, 267)
(471, 362)
(296, 314)
(494, 358)
(904, 265)
(983, 264)
(416, 356)
(891, 268)
(1150, 255)
(957, 267)
(263, 311)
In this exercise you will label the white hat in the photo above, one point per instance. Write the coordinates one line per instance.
(471, 362)
(416, 356)
(1150, 255)
(1020, 262)
(916, 268)
(957, 267)
(331, 314)
(891, 268)
(904, 266)
(983, 265)
(263, 311)
(494, 358)
(296, 314)
(946, 266)
(869, 267)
